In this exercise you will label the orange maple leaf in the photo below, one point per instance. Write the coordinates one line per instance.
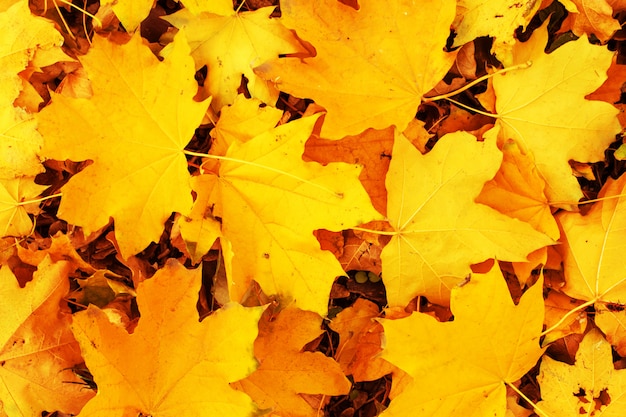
(371, 66)
(439, 230)
(172, 364)
(139, 175)
(37, 348)
(460, 368)
(285, 372)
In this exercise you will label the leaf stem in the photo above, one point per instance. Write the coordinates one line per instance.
(566, 316)
(594, 200)
(85, 12)
(525, 65)
(377, 232)
(39, 200)
(277, 171)
(521, 394)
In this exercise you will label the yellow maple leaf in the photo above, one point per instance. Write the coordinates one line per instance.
(37, 348)
(285, 371)
(240, 122)
(592, 387)
(439, 230)
(460, 368)
(25, 36)
(130, 12)
(270, 202)
(592, 247)
(231, 45)
(372, 66)
(611, 320)
(543, 108)
(497, 19)
(200, 229)
(172, 364)
(14, 207)
(139, 175)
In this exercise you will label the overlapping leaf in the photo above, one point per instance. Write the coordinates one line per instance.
(371, 66)
(591, 387)
(37, 348)
(270, 202)
(231, 45)
(139, 173)
(461, 367)
(593, 247)
(172, 364)
(543, 108)
(439, 229)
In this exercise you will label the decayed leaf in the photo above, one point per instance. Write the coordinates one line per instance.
(231, 45)
(372, 66)
(460, 368)
(14, 193)
(498, 19)
(285, 371)
(172, 364)
(270, 202)
(593, 246)
(37, 348)
(139, 175)
(439, 229)
(582, 389)
(543, 108)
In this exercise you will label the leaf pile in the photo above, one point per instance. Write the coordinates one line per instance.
(342, 208)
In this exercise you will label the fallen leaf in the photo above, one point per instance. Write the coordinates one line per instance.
(37, 348)
(543, 108)
(142, 189)
(592, 247)
(439, 230)
(285, 373)
(14, 208)
(270, 201)
(461, 368)
(591, 387)
(365, 72)
(360, 342)
(557, 306)
(25, 35)
(499, 20)
(231, 45)
(172, 364)
(611, 319)
(592, 17)
(200, 229)
(371, 148)
(130, 12)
